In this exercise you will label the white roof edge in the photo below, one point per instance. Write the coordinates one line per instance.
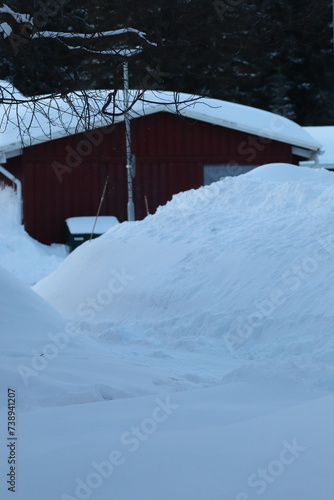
(308, 142)
(16, 148)
(267, 134)
(13, 152)
(324, 134)
(295, 134)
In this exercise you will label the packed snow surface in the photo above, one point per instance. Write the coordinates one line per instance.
(186, 356)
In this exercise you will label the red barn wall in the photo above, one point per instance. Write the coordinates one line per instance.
(65, 177)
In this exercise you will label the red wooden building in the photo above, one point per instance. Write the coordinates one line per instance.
(63, 176)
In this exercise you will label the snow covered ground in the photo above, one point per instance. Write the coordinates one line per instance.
(28, 259)
(186, 356)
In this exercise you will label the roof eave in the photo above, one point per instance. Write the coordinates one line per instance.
(15, 149)
(267, 134)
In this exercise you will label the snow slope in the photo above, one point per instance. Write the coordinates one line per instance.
(194, 360)
(243, 266)
(51, 361)
(25, 257)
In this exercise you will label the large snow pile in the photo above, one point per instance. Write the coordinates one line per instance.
(46, 358)
(244, 265)
(28, 259)
(197, 363)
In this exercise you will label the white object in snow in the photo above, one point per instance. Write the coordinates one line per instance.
(84, 225)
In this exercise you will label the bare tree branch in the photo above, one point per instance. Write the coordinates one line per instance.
(67, 111)
(92, 36)
(17, 16)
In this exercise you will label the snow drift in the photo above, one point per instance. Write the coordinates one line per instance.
(51, 362)
(243, 265)
(20, 254)
(227, 291)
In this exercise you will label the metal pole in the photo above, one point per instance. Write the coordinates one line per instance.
(131, 207)
(99, 209)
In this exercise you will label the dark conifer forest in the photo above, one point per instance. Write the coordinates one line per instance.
(275, 55)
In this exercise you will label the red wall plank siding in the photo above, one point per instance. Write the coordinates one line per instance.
(170, 151)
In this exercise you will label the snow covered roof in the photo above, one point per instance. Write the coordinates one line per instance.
(325, 135)
(28, 124)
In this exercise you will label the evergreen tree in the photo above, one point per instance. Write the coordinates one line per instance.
(273, 55)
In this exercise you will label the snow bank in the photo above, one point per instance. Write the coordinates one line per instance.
(30, 327)
(226, 290)
(244, 266)
(51, 362)
(26, 323)
(26, 258)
